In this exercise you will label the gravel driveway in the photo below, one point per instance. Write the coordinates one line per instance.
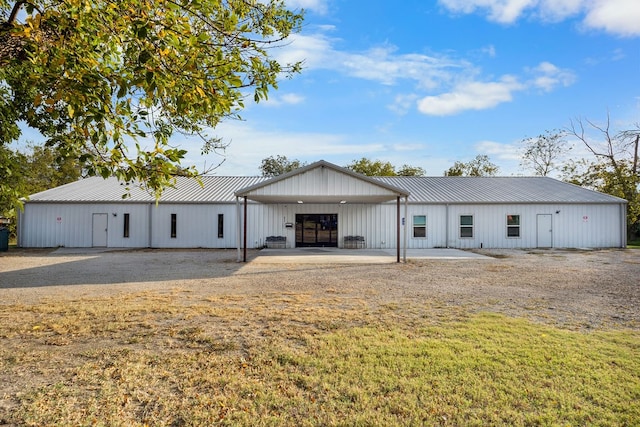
(579, 289)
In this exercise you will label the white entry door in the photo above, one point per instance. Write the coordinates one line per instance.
(545, 231)
(99, 230)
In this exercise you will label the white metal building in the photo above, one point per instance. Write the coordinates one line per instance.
(325, 205)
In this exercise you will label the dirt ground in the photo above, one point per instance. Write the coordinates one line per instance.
(577, 290)
(580, 289)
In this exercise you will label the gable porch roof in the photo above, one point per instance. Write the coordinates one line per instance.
(322, 182)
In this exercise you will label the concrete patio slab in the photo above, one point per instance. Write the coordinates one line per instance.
(356, 256)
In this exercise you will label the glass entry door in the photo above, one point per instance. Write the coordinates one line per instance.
(316, 230)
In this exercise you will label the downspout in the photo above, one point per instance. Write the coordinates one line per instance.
(406, 212)
(446, 226)
(245, 230)
(150, 225)
(623, 225)
(238, 228)
(398, 228)
(19, 226)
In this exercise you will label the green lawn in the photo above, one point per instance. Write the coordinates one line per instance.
(151, 359)
(633, 244)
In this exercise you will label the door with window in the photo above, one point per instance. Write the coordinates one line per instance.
(316, 230)
(99, 230)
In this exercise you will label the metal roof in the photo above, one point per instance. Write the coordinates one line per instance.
(214, 189)
(322, 182)
(436, 190)
(396, 191)
(464, 189)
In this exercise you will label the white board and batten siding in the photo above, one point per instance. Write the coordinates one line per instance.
(72, 225)
(196, 226)
(92, 212)
(320, 183)
(375, 222)
(572, 226)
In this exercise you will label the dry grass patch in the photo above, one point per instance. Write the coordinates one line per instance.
(293, 359)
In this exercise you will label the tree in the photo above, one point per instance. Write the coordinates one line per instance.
(406, 170)
(47, 169)
(274, 166)
(38, 169)
(12, 166)
(369, 167)
(480, 166)
(614, 168)
(543, 153)
(109, 83)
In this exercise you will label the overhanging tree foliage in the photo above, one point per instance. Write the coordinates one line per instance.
(110, 82)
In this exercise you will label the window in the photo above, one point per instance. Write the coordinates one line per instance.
(419, 226)
(513, 225)
(220, 226)
(126, 225)
(466, 225)
(174, 220)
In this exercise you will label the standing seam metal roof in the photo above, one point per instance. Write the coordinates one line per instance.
(452, 190)
(459, 190)
(214, 189)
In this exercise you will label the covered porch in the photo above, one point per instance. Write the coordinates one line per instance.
(314, 195)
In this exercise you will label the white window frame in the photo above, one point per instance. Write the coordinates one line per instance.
(414, 226)
(462, 226)
(514, 226)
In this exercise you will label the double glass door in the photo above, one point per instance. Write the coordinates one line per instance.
(316, 230)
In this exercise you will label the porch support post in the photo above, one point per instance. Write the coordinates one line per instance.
(398, 228)
(238, 229)
(406, 212)
(244, 259)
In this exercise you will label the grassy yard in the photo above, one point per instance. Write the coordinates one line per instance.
(179, 359)
(633, 244)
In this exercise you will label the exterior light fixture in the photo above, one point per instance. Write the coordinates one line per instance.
(342, 202)
(300, 202)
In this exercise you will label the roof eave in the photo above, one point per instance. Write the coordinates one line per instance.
(321, 163)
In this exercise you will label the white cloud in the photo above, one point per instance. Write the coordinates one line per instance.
(292, 98)
(381, 64)
(285, 99)
(384, 65)
(620, 17)
(557, 10)
(313, 50)
(499, 151)
(248, 145)
(489, 50)
(548, 77)
(504, 11)
(474, 95)
(403, 103)
(471, 96)
(317, 6)
(506, 155)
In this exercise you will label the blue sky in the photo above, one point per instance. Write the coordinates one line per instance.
(431, 82)
(428, 83)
